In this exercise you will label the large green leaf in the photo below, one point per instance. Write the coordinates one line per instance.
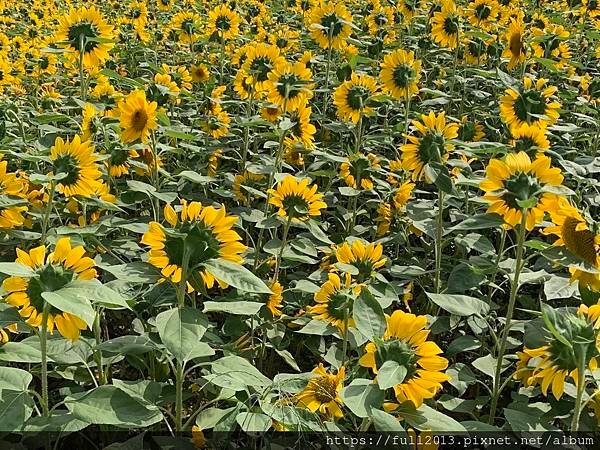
(368, 315)
(361, 396)
(242, 308)
(240, 371)
(390, 374)
(16, 405)
(253, 422)
(135, 345)
(15, 269)
(427, 418)
(181, 329)
(385, 422)
(71, 301)
(460, 305)
(237, 276)
(109, 405)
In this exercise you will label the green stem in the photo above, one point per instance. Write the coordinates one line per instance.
(286, 229)
(514, 287)
(44, 351)
(580, 391)
(179, 373)
(46, 218)
(497, 264)
(81, 75)
(327, 68)
(438, 241)
(345, 334)
(98, 353)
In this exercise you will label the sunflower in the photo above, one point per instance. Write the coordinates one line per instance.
(383, 220)
(50, 273)
(260, 60)
(515, 39)
(483, 13)
(351, 98)
(275, 299)
(470, 131)
(445, 25)
(530, 139)
(476, 50)
(516, 180)
(330, 25)
(223, 22)
(213, 162)
(409, 8)
(549, 365)
(400, 73)
(405, 342)
(137, 14)
(430, 146)
(358, 170)
(11, 216)
(137, 117)
(334, 301)
(289, 85)
(381, 22)
(78, 161)
(217, 122)
(101, 194)
(88, 125)
(186, 25)
(302, 133)
(118, 163)
(530, 104)
(573, 232)
(365, 257)
(83, 30)
(322, 393)
(551, 43)
(203, 233)
(296, 200)
(164, 5)
(179, 74)
(242, 181)
(200, 73)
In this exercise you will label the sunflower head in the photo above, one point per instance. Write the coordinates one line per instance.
(322, 392)
(400, 73)
(296, 200)
(76, 160)
(50, 273)
(334, 301)
(137, 117)
(530, 104)
(366, 258)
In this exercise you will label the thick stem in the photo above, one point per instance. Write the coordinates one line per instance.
(81, 75)
(514, 287)
(46, 218)
(44, 351)
(179, 374)
(438, 242)
(286, 229)
(580, 391)
(98, 353)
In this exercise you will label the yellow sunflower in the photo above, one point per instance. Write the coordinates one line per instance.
(483, 13)
(302, 133)
(11, 216)
(405, 342)
(351, 98)
(322, 393)
(275, 299)
(118, 163)
(470, 130)
(530, 139)
(200, 234)
(573, 232)
(515, 48)
(549, 365)
(530, 104)
(512, 184)
(445, 25)
(83, 30)
(260, 60)
(88, 125)
(330, 25)
(200, 73)
(383, 219)
(334, 301)
(247, 179)
(137, 117)
(50, 273)
(430, 147)
(400, 73)
(213, 162)
(296, 199)
(364, 256)
(359, 169)
(78, 161)
(224, 22)
(289, 85)
(187, 26)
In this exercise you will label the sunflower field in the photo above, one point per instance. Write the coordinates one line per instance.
(251, 216)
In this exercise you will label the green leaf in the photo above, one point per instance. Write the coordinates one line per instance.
(20, 352)
(237, 308)
(438, 174)
(480, 222)
(460, 305)
(487, 365)
(181, 329)
(209, 417)
(135, 272)
(368, 315)
(361, 396)
(16, 405)
(94, 292)
(253, 422)
(427, 418)
(241, 371)
(134, 345)
(59, 420)
(14, 269)
(69, 300)
(463, 344)
(150, 191)
(385, 422)
(195, 177)
(109, 405)
(237, 276)
(390, 374)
